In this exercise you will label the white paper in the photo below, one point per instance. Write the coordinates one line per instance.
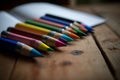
(6, 20)
(35, 10)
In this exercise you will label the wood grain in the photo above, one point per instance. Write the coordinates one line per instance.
(112, 15)
(62, 65)
(98, 59)
(110, 43)
(108, 36)
(7, 63)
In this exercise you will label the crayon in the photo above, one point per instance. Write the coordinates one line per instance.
(43, 31)
(72, 35)
(46, 39)
(27, 40)
(21, 48)
(79, 32)
(54, 24)
(82, 26)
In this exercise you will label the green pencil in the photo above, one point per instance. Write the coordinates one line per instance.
(39, 24)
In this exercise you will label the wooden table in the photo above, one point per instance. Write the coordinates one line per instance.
(99, 57)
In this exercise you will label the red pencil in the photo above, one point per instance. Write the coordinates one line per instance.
(46, 39)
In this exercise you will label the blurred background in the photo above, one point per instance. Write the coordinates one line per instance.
(8, 4)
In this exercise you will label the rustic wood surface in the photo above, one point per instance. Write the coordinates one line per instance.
(108, 36)
(99, 57)
(7, 65)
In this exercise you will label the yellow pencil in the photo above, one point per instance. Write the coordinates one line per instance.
(38, 30)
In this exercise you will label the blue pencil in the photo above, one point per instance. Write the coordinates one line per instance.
(16, 46)
(55, 20)
(79, 32)
(90, 29)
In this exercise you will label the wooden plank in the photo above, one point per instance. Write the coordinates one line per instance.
(112, 14)
(7, 63)
(110, 43)
(111, 8)
(63, 65)
(113, 20)
(109, 38)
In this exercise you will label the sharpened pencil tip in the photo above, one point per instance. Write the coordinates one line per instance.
(60, 44)
(89, 29)
(63, 40)
(80, 33)
(67, 38)
(73, 31)
(50, 49)
(74, 36)
(35, 53)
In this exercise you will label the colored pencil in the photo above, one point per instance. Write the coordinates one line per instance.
(43, 31)
(46, 39)
(89, 28)
(27, 40)
(54, 24)
(39, 24)
(82, 26)
(16, 46)
(79, 32)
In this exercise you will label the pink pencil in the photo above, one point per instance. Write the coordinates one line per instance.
(29, 41)
(44, 38)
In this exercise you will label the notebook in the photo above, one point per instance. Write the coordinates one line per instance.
(36, 10)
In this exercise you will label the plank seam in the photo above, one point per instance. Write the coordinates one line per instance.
(107, 61)
(12, 71)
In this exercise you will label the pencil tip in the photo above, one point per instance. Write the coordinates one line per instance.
(90, 29)
(80, 33)
(35, 53)
(72, 31)
(83, 29)
(62, 40)
(67, 38)
(50, 49)
(59, 44)
(74, 36)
